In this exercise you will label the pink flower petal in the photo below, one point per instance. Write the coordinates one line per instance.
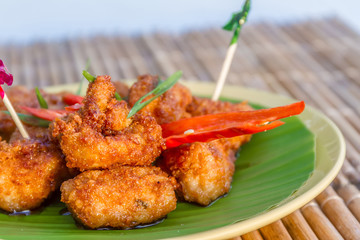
(5, 76)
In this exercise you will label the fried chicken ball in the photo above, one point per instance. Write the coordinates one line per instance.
(30, 170)
(54, 100)
(169, 107)
(120, 198)
(19, 96)
(100, 136)
(203, 106)
(204, 170)
(34, 133)
(121, 88)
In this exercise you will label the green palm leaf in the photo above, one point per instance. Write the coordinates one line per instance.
(268, 171)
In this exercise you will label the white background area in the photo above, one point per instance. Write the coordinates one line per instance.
(24, 21)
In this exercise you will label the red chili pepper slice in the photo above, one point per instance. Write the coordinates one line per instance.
(71, 99)
(46, 114)
(73, 108)
(214, 126)
(207, 136)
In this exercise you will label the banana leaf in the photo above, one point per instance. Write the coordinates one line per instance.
(269, 169)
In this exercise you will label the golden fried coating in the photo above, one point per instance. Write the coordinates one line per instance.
(100, 136)
(120, 198)
(54, 100)
(203, 106)
(116, 117)
(38, 133)
(121, 88)
(169, 107)
(19, 96)
(203, 170)
(30, 170)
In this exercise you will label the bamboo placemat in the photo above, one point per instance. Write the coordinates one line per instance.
(317, 61)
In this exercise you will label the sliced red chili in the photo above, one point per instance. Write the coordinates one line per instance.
(73, 108)
(214, 126)
(71, 99)
(46, 114)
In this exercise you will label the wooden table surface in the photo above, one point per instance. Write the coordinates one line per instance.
(317, 61)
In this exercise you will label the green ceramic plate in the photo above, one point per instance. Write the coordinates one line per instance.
(277, 172)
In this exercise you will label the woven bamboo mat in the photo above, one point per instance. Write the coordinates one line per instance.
(317, 61)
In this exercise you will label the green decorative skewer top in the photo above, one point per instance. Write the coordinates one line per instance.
(235, 24)
(237, 20)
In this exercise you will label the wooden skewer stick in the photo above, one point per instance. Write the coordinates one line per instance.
(224, 71)
(15, 117)
(235, 24)
(7, 78)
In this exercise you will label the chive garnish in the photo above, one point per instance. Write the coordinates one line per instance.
(88, 76)
(31, 120)
(118, 97)
(41, 100)
(78, 92)
(162, 87)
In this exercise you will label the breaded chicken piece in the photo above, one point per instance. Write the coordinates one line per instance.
(54, 100)
(204, 170)
(100, 136)
(120, 198)
(121, 88)
(19, 96)
(30, 170)
(169, 107)
(203, 106)
(34, 133)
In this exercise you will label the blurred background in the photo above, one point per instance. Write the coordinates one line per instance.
(39, 20)
(48, 43)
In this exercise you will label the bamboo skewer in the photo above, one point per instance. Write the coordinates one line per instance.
(235, 24)
(224, 71)
(15, 117)
(7, 78)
